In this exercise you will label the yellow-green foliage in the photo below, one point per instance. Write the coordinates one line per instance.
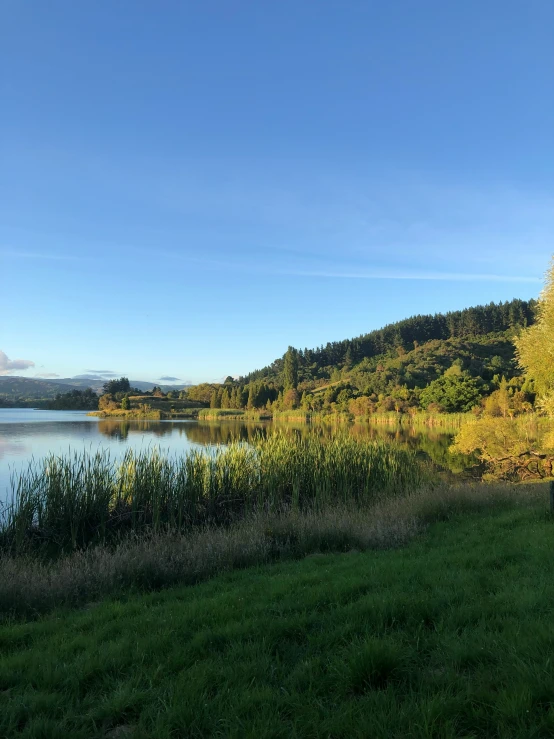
(535, 345)
(520, 447)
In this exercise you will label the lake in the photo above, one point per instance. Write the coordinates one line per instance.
(27, 434)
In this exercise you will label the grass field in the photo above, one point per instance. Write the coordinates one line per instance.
(451, 636)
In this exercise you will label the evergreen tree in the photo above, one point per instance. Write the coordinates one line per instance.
(348, 359)
(226, 399)
(290, 369)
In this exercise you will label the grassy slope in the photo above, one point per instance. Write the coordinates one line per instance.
(450, 637)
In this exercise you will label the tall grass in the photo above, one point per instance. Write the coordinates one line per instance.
(71, 502)
(421, 418)
(148, 561)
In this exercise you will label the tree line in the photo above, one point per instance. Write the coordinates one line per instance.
(406, 335)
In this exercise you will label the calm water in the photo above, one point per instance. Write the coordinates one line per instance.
(26, 434)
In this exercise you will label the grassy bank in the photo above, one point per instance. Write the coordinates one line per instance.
(66, 503)
(449, 637)
(149, 414)
(30, 585)
(232, 414)
(128, 415)
(421, 419)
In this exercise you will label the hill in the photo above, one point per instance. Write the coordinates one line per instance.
(15, 389)
(448, 362)
(403, 336)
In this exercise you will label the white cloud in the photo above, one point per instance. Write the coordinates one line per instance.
(7, 365)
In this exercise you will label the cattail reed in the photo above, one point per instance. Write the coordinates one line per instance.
(82, 499)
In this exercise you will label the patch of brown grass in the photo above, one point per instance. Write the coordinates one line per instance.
(29, 587)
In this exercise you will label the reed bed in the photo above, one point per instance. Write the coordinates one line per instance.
(64, 503)
(421, 419)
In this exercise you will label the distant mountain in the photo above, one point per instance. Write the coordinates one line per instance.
(15, 388)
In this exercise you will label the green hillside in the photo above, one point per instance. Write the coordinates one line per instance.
(448, 362)
(403, 336)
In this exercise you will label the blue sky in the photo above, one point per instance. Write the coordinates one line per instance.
(187, 188)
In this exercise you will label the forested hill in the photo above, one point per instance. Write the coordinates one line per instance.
(405, 335)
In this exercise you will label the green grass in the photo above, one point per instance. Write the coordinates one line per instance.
(449, 637)
(421, 419)
(70, 502)
(141, 415)
(294, 416)
(220, 413)
(233, 414)
(31, 585)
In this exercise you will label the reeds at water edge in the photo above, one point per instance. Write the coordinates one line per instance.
(70, 502)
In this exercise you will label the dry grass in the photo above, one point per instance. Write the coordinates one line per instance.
(155, 560)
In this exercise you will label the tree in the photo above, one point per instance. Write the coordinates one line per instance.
(291, 399)
(125, 403)
(290, 369)
(453, 393)
(510, 449)
(107, 402)
(226, 399)
(86, 400)
(535, 344)
(116, 386)
(348, 359)
(201, 393)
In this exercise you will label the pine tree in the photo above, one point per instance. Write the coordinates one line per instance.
(348, 359)
(290, 369)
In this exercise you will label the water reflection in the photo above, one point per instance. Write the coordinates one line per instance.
(27, 434)
(225, 432)
(431, 443)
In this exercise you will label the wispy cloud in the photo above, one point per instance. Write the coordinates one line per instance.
(109, 373)
(168, 378)
(313, 268)
(47, 375)
(91, 376)
(7, 366)
(48, 256)
(411, 275)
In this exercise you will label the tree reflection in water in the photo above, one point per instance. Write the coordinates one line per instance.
(432, 443)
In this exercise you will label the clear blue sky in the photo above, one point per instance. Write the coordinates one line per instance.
(186, 188)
